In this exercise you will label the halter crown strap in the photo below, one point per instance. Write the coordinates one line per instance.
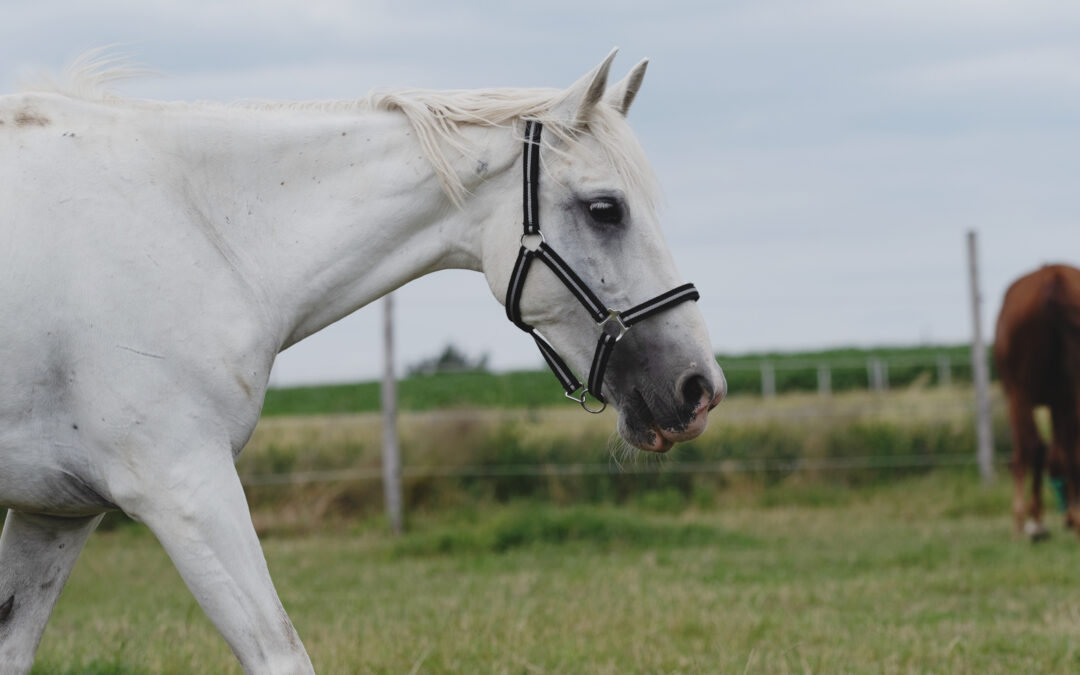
(530, 160)
(613, 324)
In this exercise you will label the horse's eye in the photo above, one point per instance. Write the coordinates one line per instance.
(605, 211)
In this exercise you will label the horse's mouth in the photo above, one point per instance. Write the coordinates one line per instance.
(643, 429)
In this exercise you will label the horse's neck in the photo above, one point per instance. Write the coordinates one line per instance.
(329, 212)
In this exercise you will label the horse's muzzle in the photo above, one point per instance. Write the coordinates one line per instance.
(697, 393)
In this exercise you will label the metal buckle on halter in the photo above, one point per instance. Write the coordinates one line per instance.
(583, 401)
(614, 318)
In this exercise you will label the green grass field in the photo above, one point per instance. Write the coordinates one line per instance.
(920, 575)
(869, 569)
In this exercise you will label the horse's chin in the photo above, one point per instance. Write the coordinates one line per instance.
(647, 438)
(639, 427)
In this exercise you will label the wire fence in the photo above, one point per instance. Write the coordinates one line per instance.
(944, 402)
(824, 374)
(598, 469)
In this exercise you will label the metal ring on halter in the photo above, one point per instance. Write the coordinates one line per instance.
(614, 317)
(538, 233)
(583, 401)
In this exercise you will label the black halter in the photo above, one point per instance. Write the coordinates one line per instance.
(613, 323)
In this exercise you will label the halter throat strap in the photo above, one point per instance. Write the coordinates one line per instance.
(613, 324)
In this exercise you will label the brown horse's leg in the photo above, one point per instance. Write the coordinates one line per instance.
(1029, 451)
(1035, 527)
(1067, 449)
(1057, 470)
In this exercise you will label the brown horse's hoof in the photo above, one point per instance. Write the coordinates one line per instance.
(1036, 531)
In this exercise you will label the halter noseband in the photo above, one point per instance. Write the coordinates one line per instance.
(613, 324)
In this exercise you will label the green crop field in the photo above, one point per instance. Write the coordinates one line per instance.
(795, 371)
(920, 575)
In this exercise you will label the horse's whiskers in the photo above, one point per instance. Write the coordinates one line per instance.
(622, 453)
(619, 450)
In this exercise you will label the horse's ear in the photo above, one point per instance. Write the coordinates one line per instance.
(582, 96)
(621, 94)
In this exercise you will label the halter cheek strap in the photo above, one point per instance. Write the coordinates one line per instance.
(613, 324)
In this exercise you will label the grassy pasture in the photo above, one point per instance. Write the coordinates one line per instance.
(920, 575)
(876, 570)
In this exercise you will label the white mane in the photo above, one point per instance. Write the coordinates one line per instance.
(90, 75)
(436, 117)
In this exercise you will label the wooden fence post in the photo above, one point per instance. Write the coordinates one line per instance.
(983, 432)
(391, 456)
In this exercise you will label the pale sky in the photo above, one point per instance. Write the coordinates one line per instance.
(821, 161)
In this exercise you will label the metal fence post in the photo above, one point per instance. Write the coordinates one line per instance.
(944, 371)
(768, 380)
(824, 379)
(876, 374)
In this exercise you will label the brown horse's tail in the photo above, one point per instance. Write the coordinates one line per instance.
(1057, 300)
(1064, 308)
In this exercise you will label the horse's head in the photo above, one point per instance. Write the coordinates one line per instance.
(595, 203)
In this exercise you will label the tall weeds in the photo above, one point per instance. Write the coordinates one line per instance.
(457, 458)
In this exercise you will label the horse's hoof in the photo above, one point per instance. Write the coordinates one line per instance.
(1036, 531)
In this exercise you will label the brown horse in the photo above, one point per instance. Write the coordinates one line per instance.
(1037, 352)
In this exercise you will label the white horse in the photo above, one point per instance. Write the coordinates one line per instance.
(157, 256)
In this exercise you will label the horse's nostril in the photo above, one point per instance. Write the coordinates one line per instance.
(694, 388)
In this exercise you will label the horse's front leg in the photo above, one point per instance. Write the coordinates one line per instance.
(198, 511)
(36, 556)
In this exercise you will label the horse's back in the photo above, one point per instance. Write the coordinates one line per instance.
(1037, 341)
